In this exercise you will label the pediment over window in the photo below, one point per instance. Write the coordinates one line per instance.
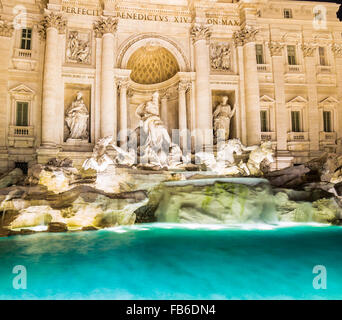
(329, 101)
(297, 101)
(22, 90)
(265, 99)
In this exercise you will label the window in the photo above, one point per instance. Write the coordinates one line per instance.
(26, 38)
(287, 13)
(295, 121)
(22, 114)
(322, 59)
(259, 54)
(327, 121)
(264, 121)
(291, 55)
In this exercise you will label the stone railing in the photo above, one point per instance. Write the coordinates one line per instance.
(327, 136)
(263, 68)
(323, 69)
(298, 136)
(22, 53)
(294, 69)
(21, 131)
(267, 136)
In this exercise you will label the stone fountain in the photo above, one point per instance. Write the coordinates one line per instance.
(150, 179)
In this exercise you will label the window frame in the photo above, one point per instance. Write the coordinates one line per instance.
(290, 56)
(289, 12)
(24, 40)
(262, 53)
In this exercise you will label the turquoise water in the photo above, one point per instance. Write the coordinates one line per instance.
(162, 261)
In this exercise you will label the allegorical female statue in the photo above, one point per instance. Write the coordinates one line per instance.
(222, 116)
(154, 142)
(77, 119)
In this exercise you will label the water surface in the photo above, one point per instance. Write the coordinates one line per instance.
(169, 261)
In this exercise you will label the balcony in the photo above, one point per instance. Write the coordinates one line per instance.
(267, 136)
(23, 60)
(328, 137)
(298, 136)
(323, 69)
(294, 69)
(23, 54)
(21, 137)
(264, 68)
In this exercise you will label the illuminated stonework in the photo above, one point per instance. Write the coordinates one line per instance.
(152, 64)
(279, 63)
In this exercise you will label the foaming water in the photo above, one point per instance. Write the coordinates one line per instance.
(176, 261)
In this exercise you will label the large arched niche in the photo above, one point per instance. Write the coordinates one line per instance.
(132, 45)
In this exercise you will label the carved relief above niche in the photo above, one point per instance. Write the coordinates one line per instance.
(78, 47)
(220, 56)
(77, 110)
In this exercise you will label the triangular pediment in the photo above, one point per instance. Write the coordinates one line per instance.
(329, 100)
(297, 100)
(22, 89)
(266, 99)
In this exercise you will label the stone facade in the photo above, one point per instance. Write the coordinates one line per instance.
(279, 62)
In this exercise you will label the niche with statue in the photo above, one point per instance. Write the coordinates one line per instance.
(224, 116)
(77, 114)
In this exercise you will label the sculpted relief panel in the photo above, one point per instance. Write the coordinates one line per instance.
(78, 47)
(220, 56)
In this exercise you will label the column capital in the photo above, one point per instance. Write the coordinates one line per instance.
(245, 35)
(123, 83)
(308, 49)
(200, 32)
(105, 25)
(6, 29)
(52, 20)
(337, 50)
(276, 48)
(184, 85)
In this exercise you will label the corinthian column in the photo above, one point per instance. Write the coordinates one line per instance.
(123, 85)
(204, 125)
(106, 28)
(182, 114)
(49, 28)
(246, 38)
(310, 65)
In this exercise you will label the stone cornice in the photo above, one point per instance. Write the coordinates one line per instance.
(105, 25)
(308, 49)
(6, 29)
(276, 48)
(200, 32)
(245, 35)
(52, 20)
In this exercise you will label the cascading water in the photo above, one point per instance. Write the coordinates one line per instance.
(240, 200)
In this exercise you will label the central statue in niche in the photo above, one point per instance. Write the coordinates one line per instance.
(223, 113)
(153, 141)
(77, 119)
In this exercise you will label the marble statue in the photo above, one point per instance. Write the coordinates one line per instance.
(222, 116)
(100, 160)
(78, 50)
(77, 118)
(220, 55)
(155, 146)
(258, 155)
(225, 163)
